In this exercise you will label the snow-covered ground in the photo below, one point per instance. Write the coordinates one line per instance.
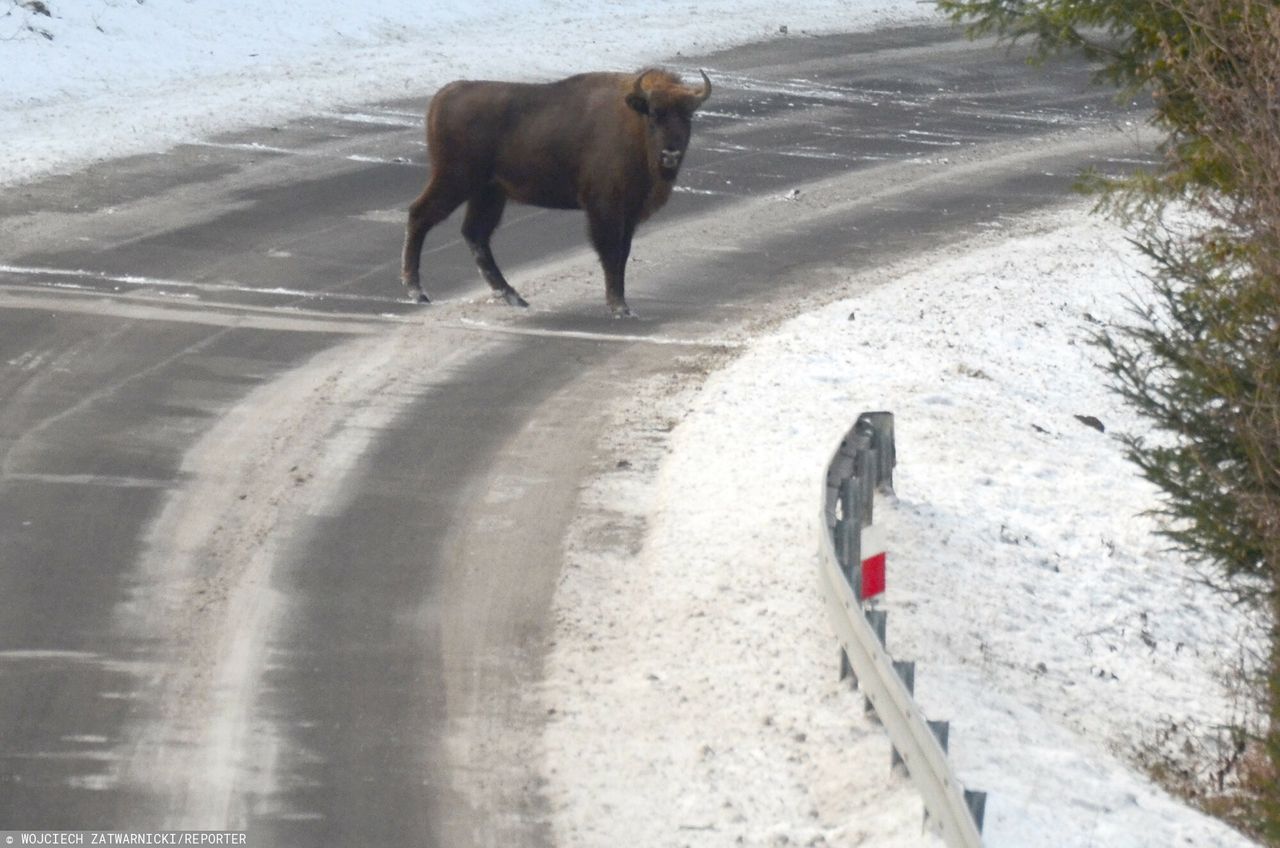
(693, 678)
(1047, 621)
(101, 78)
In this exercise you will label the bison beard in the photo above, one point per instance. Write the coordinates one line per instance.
(608, 144)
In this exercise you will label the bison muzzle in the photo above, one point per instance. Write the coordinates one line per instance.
(608, 144)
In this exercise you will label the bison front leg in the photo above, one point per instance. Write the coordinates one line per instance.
(435, 204)
(612, 241)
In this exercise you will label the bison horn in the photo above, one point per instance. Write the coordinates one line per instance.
(701, 96)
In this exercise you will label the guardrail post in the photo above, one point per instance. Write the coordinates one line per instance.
(977, 803)
(880, 426)
(907, 671)
(865, 466)
(941, 730)
(846, 669)
(879, 621)
(849, 540)
(848, 536)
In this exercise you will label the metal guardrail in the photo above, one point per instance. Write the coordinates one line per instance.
(862, 465)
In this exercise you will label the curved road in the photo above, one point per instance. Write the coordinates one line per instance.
(277, 547)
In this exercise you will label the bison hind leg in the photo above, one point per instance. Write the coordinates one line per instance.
(436, 203)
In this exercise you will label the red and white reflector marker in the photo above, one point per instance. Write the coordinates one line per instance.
(873, 562)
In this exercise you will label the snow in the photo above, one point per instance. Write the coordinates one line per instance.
(117, 77)
(691, 691)
(1049, 623)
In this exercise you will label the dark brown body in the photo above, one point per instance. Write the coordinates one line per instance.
(608, 144)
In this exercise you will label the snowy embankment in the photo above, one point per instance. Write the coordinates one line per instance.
(95, 79)
(693, 681)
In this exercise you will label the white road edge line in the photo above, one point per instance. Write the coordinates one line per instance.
(257, 147)
(107, 480)
(134, 280)
(88, 301)
(579, 335)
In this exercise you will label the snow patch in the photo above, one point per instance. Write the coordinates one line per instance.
(693, 680)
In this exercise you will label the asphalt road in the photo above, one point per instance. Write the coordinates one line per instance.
(277, 546)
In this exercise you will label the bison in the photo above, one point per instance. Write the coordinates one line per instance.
(608, 144)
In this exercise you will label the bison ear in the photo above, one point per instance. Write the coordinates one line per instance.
(638, 102)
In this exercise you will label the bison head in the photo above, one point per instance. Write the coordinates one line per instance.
(667, 106)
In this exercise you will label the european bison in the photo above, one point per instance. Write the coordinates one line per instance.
(609, 144)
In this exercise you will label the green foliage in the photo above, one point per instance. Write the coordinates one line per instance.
(1122, 34)
(1194, 360)
(1139, 45)
(1200, 358)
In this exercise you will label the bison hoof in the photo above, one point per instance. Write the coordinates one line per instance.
(621, 310)
(513, 298)
(418, 296)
